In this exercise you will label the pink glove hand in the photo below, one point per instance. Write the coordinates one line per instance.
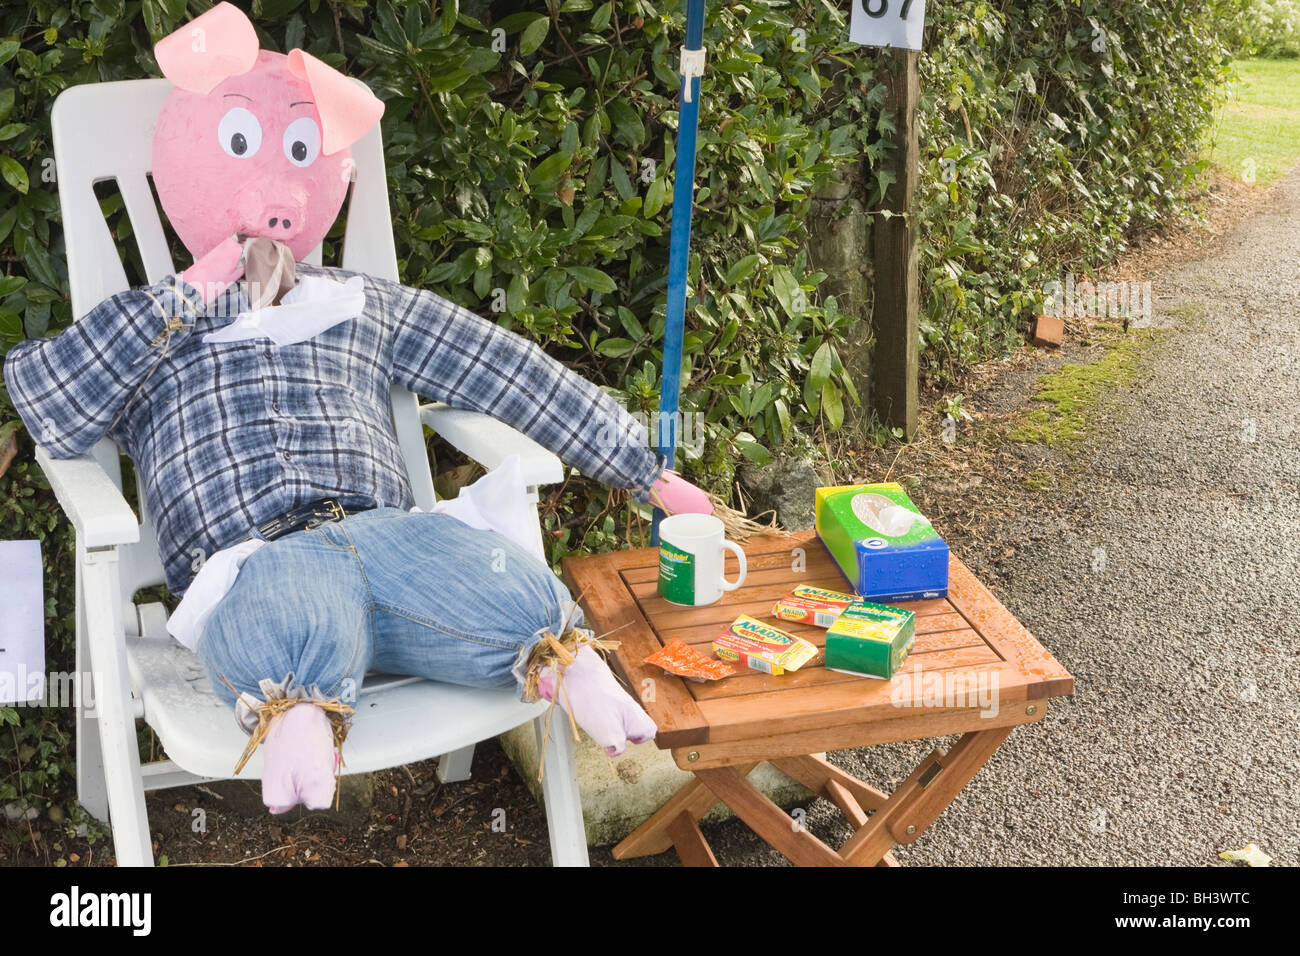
(600, 706)
(675, 495)
(217, 270)
(299, 760)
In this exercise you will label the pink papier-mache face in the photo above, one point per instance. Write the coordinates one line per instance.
(252, 141)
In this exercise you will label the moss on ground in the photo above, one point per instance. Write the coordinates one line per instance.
(1042, 479)
(1070, 393)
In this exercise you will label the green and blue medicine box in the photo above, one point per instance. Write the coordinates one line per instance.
(887, 549)
(870, 639)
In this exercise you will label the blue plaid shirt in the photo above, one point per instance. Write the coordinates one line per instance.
(228, 435)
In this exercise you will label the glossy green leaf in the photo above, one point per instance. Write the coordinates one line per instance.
(548, 172)
(742, 269)
(13, 173)
(592, 278)
(534, 34)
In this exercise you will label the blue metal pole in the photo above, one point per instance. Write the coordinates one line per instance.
(679, 251)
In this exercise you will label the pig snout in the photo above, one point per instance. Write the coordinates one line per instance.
(283, 221)
(280, 215)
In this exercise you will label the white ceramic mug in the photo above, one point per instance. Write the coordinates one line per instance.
(691, 562)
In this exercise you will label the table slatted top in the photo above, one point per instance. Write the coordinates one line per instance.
(966, 644)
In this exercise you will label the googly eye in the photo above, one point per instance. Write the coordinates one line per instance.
(302, 141)
(240, 133)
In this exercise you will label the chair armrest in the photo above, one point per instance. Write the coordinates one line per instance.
(488, 441)
(92, 502)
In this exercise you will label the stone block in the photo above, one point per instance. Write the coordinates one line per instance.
(620, 793)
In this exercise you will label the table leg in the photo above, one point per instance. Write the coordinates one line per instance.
(769, 821)
(880, 820)
(692, 848)
(693, 800)
(851, 809)
(815, 773)
(920, 798)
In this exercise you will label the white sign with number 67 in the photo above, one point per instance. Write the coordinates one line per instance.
(896, 23)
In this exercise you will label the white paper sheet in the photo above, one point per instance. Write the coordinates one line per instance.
(882, 23)
(22, 622)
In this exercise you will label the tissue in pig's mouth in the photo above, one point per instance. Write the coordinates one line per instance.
(269, 270)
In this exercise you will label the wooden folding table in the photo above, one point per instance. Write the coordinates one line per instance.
(974, 670)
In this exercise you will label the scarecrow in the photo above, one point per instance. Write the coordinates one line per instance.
(252, 392)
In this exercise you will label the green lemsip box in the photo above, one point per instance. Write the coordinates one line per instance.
(870, 639)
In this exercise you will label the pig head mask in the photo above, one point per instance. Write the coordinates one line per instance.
(251, 141)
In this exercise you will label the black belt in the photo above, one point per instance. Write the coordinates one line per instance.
(307, 516)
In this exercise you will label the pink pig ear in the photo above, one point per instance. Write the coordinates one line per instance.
(347, 108)
(213, 46)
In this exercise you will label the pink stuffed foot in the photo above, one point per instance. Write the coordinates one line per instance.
(601, 707)
(299, 760)
(677, 496)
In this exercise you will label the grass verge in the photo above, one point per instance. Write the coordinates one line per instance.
(1257, 136)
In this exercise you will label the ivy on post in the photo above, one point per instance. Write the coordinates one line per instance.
(897, 26)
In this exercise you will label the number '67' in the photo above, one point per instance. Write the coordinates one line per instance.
(878, 8)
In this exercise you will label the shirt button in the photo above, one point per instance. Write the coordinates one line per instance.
(275, 406)
(287, 456)
(267, 353)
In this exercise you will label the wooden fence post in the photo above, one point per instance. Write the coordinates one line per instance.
(896, 310)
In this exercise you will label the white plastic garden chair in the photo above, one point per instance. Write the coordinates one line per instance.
(103, 131)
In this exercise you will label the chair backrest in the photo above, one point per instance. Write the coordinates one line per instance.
(104, 131)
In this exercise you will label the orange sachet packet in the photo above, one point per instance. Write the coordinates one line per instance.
(678, 657)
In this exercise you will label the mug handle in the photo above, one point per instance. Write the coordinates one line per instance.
(740, 556)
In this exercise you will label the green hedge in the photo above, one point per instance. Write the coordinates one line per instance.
(532, 180)
(1269, 28)
(1070, 125)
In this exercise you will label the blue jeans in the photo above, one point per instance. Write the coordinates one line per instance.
(385, 590)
